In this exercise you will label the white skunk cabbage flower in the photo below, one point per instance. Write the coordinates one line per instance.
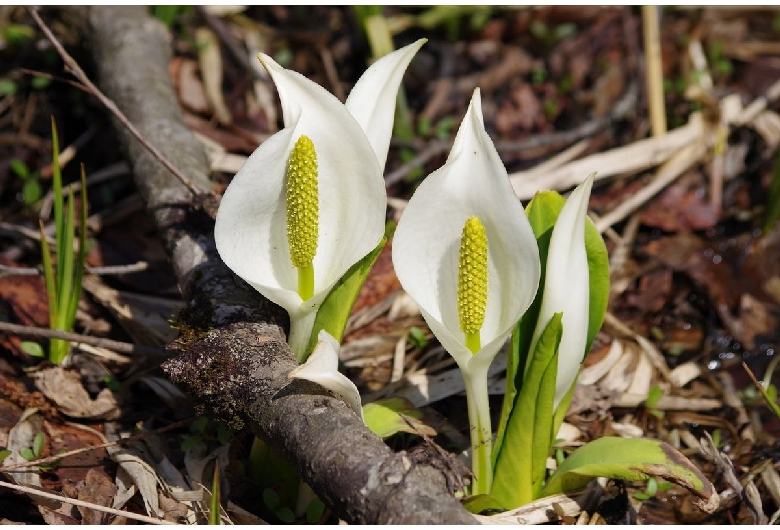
(465, 252)
(322, 367)
(567, 288)
(310, 201)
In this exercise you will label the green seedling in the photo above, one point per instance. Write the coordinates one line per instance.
(31, 186)
(720, 64)
(34, 452)
(653, 487)
(205, 429)
(417, 338)
(271, 500)
(653, 397)
(63, 282)
(8, 87)
(17, 33)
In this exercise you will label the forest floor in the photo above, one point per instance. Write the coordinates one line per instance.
(690, 222)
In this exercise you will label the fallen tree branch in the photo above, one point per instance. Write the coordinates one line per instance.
(239, 370)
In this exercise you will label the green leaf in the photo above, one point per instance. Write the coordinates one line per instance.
(387, 417)
(285, 515)
(27, 454)
(189, 442)
(39, 83)
(543, 211)
(224, 433)
(38, 442)
(32, 348)
(202, 423)
(334, 312)
(8, 87)
(482, 503)
(314, 511)
(630, 459)
(16, 33)
(270, 498)
(5, 453)
(31, 190)
(268, 469)
(214, 513)
(20, 168)
(519, 464)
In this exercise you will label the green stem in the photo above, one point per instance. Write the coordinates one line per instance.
(481, 435)
(473, 341)
(306, 281)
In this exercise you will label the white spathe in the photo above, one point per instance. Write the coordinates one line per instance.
(426, 245)
(567, 288)
(251, 225)
(322, 367)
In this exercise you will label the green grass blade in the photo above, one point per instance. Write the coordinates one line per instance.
(65, 274)
(59, 200)
(214, 512)
(48, 278)
(78, 266)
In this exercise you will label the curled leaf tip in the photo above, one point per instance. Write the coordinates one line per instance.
(472, 276)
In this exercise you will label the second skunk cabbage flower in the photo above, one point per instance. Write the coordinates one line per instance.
(566, 288)
(465, 252)
(310, 201)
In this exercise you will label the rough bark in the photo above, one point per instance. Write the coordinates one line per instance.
(239, 370)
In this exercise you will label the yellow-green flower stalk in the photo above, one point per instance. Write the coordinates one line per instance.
(465, 252)
(310, 201)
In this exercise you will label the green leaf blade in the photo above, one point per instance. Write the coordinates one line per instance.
(630, 459)
(516, 469)
(334, 312)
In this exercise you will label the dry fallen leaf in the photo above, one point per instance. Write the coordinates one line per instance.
(64, 387)
(96, 488)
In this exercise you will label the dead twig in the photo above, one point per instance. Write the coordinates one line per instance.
(75, 69)
(110, 270)
(76, 502)
(120, 347)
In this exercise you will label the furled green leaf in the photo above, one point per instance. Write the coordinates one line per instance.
(334, 312)
(527, 439)
(387, 417)
(631, 459)
(543, 211)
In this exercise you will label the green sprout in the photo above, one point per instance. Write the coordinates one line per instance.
(63, 282)
(653, 487)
